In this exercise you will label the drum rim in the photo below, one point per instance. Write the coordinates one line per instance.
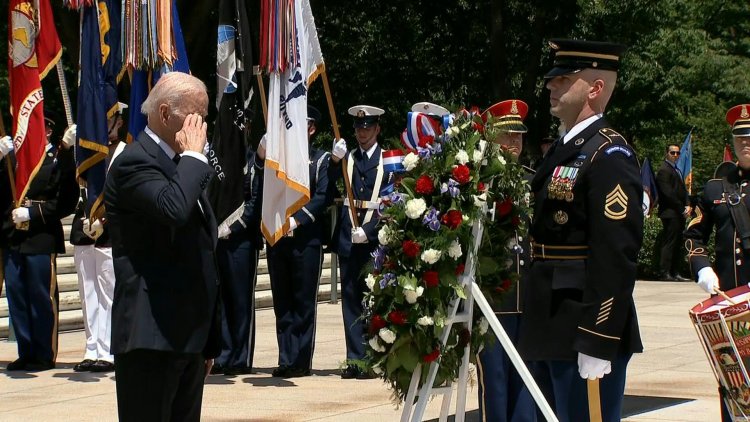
(699, 312)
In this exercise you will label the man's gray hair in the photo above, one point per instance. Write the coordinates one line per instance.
(172, 89)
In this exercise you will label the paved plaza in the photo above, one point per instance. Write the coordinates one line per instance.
(673, 366)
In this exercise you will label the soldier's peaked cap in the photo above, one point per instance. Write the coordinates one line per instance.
(365, 116)
(572, 56)
(739, 118)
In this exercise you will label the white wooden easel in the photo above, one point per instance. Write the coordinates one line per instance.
(415, 411)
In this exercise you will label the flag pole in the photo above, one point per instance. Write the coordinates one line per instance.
(262, 89)
(337, 135)
(64, 91)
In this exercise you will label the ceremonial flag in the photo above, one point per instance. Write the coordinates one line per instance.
(650, 193)
(290, 52)
(100, 69)
(228, 149)
(34, 51)
(143, 77)
(728, 156)
(685, 162)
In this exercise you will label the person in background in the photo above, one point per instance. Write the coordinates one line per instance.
(32, 236)
(674, 208)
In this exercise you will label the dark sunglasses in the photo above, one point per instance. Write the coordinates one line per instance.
(674, 152)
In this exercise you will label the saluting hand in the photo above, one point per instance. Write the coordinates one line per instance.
(192, 136)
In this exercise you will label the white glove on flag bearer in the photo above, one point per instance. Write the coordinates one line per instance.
(69, 138)
(339, 149)
(358, 235)
(593, 368)
(6, 146)
(707, 280)
(20, 215)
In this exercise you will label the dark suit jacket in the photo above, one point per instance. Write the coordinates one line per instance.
(673, 197)
(54, 193)
(163, 247)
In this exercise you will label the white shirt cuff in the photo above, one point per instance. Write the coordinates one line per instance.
(196, 155)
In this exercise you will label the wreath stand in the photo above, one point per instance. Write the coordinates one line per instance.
(461, 312)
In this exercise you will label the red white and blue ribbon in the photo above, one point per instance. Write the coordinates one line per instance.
(393, 161)
(418, 127)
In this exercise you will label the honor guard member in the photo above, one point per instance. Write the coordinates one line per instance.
(356, 235)
(294, 265)
(237, 254)
(32, 238)
(579, 320)
(92, 252)
(723, 208)
(503, 396)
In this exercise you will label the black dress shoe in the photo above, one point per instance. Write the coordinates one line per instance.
(17, 365)
(217, 369)
(102, 366)
(666, 277)
(294, 372)
(281, 372)
(84, 365)
(366, 375)
(678, 277)
(40, 365)
(238, 370)
(350, 372)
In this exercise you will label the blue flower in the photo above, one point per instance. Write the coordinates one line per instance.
(450, 187)
(379, 257)
(431, 219)
(397, 198)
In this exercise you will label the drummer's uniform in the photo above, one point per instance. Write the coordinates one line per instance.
(731, 264)
(586, 233)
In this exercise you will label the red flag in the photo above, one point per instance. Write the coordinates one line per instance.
(728, 154)
(34, 50)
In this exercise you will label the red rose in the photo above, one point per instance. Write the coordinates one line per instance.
(411, 248)
(425, 185)
(431, 278)
(462, 174)
(481, 187)
(376, 323)
(432, 356)
(506, 284)
(460, 269)
(452, 219)
(503, 208)
(397, 317)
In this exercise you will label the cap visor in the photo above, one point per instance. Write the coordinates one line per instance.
(741, 131)
(559, 71)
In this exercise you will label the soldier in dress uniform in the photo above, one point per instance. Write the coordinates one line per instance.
(29, 253)
(95, 268)
(723, 208)
(356, 235)
(503, 397)
(294, 265)
(579, 320)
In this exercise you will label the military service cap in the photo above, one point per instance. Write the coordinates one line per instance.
(739, 118)
(313, 114)
(430, 108)
(365, 116)
(509, 115)
(572, 56)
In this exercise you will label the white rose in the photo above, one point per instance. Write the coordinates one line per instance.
(431, 256)
(410, 161)
(425, 321)
(462, 157)
(501, 159)
(483, 325)
(370, 281)
(411, 295)
(454, 251)
(375, 345)
(384, 235)
(415, 208)
(452, 131)
(387, 335)
(477, 156)
(479, 200)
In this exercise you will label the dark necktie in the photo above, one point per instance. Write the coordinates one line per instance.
(176, 158)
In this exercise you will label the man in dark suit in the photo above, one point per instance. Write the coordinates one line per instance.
(673, 209)
(30, 253)
(294, 265)
(163, 232)
(579, 325)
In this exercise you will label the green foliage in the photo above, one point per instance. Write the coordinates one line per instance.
(648, 257)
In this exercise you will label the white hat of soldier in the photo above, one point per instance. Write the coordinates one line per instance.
(365, 116)
(430, 108)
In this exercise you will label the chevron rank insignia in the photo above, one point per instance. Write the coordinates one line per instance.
(616, 204)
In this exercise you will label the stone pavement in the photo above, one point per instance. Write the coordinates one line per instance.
(673, 365)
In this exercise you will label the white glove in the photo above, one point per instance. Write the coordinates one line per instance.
(593, 368)
(20, 215)
(707, 280)
(69, 138)
(262, 148)
(292, 224)
(93, 230)
(358, 235)
(224, 231)
(339, 149)
(6, 146)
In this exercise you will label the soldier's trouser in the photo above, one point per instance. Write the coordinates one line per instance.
(96, 286)
(353, 290)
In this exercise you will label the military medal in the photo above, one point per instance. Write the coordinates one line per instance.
(561, 185)
(560, 217)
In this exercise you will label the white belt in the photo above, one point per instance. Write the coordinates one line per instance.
(363, 205)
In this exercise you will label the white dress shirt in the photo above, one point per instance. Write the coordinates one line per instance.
(580, 126)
